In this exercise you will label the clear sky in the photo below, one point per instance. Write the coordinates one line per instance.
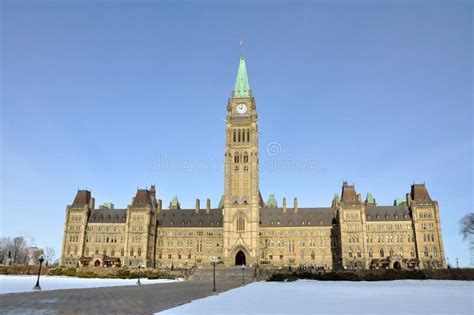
(115, 95)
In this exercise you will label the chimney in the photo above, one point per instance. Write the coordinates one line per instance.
(198, 206)
(160, 203)
(284, 205)
(296, 205)
(208, 205)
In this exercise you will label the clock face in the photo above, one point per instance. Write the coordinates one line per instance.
(241, 109)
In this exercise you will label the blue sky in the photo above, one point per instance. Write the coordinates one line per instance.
(104, 95)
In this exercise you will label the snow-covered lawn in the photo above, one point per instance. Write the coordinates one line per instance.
(317, 297)
(13, 284)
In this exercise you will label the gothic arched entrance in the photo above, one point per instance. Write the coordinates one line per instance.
(240, 258)
(397, 266)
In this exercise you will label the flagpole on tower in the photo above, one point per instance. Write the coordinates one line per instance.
(241, 48)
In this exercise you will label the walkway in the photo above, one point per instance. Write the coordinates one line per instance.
(145, 299)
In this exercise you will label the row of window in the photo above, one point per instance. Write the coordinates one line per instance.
(108, 218)
(425, 215)
(426, 226)
(105, 239)
(387, 216)
(428, 237)
(106, 228)
(291, 243)
(388, 238)
(189, 234)
(388, 227)
(189, 243)
(296, 232)
(74, 228)
(76, 218)
(241, 135)
(188, 223)
(138, 218)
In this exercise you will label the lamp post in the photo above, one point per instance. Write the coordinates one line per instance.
(37, 286)
(243, 273)
(214, 262)
(138, 281)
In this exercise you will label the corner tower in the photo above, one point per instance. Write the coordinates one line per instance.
(241, 189)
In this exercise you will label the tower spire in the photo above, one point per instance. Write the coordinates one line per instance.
(242, 88)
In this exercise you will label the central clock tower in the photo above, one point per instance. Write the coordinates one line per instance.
(241, 189)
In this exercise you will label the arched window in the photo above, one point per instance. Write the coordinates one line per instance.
(426, 252)
(435, 252)
(391, 252)
(239, 135)
(350, 252)
(240, 224)
(235, 136)
(131, 252)
(97, 251)
(236, 158)
(412, 253)
(122, 252)
(248, 136)
(370, 252)
(359, 254)
(381, 253)
(139, 252)
(312, 255)
(246, 157)
(112, 252)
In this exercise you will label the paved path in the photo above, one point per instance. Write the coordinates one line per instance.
(145, 299)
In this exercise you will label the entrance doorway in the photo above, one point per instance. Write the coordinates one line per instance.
(240, 258)
(397, 266)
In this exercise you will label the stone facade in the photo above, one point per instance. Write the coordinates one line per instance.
(351, 233)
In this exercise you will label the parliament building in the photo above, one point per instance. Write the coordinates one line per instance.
(350, 233)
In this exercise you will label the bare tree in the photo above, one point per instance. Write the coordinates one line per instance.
(19, 250)
(466, 226)
(49, 255)
(5, 249)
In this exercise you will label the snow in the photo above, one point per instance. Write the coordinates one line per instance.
(13, 284)
(338, 297)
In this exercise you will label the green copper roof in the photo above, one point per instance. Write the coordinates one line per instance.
(108, 205)
(221, 202)
(369, 198)
(398, 202)
(174, 202)
(272, 203)
(241, 89)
